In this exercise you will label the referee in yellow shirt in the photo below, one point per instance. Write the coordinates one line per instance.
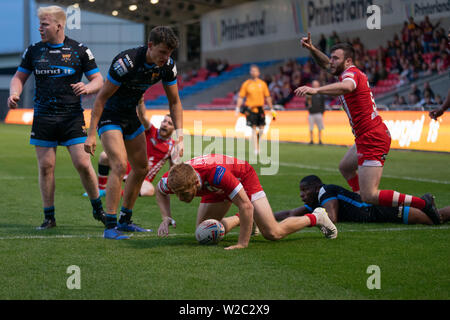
(256, 93)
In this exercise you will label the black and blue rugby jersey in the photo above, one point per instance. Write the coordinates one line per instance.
(130, 71)
(55, 68)
(353, 209)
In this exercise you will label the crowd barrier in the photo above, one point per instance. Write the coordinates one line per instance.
(410, 130)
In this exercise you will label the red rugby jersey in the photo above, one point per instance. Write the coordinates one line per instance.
(359, 104)
(217, 174)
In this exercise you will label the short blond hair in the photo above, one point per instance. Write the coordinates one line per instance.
(181, 177)
(56, 12)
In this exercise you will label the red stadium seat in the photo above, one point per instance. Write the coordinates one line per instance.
(393, 76)
(222, 101)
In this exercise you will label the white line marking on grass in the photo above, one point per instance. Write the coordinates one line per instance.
(36, 177)
(412, 228)
(295, 165)
(86, 236)
(154, 235)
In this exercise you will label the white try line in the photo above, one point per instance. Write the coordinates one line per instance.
(334, 170)
(154, 235)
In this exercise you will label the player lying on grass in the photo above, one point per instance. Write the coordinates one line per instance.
(221, 180)
(343, 205)
(159, 150)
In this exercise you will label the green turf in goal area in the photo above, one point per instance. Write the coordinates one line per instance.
(412, 260)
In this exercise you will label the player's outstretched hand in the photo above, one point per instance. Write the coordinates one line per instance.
(79, 88)
(13, 101)
(436, 113)
(236, 246)
(163, 230)
(305, 90)
(306, 42)
(90, 144)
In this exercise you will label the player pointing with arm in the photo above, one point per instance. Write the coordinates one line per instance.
(362, 166)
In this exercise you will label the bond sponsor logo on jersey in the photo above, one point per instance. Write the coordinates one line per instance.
(120, 68)
(54, 51)
(56, 71)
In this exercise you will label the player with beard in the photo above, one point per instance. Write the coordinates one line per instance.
(362, 165)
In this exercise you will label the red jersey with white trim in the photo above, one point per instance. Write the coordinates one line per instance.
(158, 151)
(218, 174)
(359, 104)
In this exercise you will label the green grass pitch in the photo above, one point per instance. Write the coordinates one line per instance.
(413, 260)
